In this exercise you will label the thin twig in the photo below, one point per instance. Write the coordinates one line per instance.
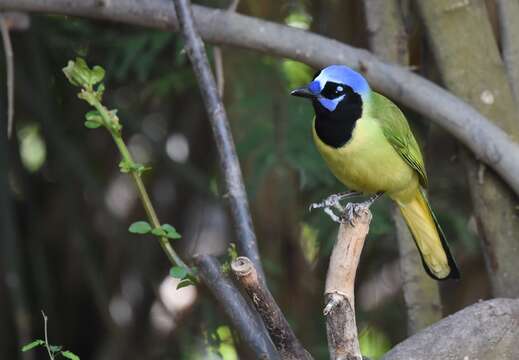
(243, 318)
(107, 116)
(218, 69)
(229, 164)
(280, 332)
(218, 58)
(47, 345)
(9, 64)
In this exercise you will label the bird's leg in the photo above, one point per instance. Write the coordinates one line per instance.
(334, 201)
(354, 209)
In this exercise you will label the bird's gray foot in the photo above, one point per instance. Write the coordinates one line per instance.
(353, 210)
(333, 200)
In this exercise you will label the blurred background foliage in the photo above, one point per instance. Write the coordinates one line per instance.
(107, 292)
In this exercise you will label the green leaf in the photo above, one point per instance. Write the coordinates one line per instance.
(178, 272)
(55, 348)
(184, 283)
(77, 72)
(192, 278)
(171, 232)
(125, 166)
(69, 355)
(140, 227)
(100, 91)
(92, 124)
(94, 116)
(158, 232)
(32, 345)
(97, 74)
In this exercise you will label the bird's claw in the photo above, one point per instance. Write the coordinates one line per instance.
(347, 214)
(353, 210)
(332, 215)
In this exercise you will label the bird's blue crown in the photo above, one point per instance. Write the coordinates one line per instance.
(338, 74)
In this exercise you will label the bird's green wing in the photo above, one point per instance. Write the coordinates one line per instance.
(398, 133)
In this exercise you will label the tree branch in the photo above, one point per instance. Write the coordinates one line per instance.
(236, 307)
(341, 327)
(508, 13)
(488, 142)
(487, 88)
(487, 330)
(11, 21)
(230, 167)
(280, 332)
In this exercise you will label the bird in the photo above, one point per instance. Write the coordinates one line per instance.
(366, 142)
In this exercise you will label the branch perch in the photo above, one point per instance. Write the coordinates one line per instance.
(280, 332)
(487, 330)
(341, 327)
(229, 164)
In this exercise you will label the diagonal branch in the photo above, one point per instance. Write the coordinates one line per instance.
(280, 332)
(488, 142)
(236, 307)
(229, 164)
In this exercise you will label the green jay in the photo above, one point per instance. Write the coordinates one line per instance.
(368, 145)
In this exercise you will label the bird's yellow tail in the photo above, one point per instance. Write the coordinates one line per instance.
(429, 238)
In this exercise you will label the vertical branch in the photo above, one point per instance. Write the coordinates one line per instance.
(339, 296)
(218, 58)
(280, 332)
(229, 164)
(484, 85)
(9, 67)
(388, 40)
(11, 21)
(508, 13)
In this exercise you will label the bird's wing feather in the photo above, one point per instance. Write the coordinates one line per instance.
(398, 133)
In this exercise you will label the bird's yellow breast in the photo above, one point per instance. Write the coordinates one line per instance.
(369, 163)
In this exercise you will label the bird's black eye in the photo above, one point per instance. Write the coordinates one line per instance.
(333, 90)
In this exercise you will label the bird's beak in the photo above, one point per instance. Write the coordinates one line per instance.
(302, 92)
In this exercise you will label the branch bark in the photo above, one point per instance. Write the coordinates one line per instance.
(236, 308)
(388, 40)
(508, 13)
(484, 85)
(280, 332)
(487, 330)
(229, 164)
(489, 143)
(341, 327)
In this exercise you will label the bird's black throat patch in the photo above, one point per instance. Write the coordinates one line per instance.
(335, 128)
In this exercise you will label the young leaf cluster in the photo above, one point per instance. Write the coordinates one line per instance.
(52, 350)
(143, 227)
(186, 277)
(92, 90)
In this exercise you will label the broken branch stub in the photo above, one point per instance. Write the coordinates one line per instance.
(280, 332)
